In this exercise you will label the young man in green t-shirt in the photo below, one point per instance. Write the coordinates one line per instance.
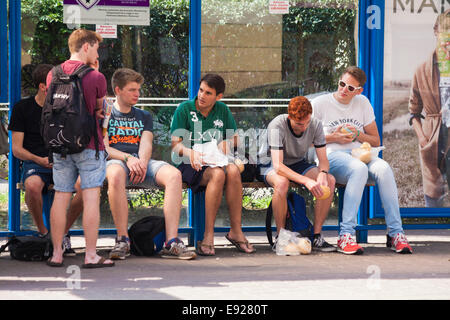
(201, 120)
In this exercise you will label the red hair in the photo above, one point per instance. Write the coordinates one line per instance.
(299, 108)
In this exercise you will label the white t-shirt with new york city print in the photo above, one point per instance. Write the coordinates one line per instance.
(358, 113)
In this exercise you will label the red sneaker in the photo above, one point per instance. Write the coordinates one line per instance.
(399, 243)
(347, 245)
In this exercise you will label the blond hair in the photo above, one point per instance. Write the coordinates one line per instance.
(80, 36)
(442, 23)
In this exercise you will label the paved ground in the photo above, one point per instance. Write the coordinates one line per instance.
(378, 274)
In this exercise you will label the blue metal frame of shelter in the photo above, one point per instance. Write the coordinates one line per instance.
(370, 59)
(3, 53)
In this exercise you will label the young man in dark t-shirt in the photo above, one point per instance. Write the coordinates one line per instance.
(28, 146)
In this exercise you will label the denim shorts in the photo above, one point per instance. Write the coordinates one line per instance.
(301, 167)
(30, 168)
(150, 176)
(84, 164)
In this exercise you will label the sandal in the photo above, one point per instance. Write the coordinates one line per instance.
(238, 244)
(99, 264)
(200, 251)
(50, 263)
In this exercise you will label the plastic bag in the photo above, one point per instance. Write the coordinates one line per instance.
(212, 156)
(291, 244)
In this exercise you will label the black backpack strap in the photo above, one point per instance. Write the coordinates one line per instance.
(82, 71)
(78, 75)
(3, 247)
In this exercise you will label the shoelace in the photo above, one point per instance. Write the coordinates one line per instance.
(347, 239)
(318, 241)
(400, 238)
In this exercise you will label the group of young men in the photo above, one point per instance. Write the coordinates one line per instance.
(126, 150)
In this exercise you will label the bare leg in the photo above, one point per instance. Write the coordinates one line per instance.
(33, 199)
(170, 178)
(116, 176)
(91, 219)
(322, 207)
(214, 180)
(58, 223)
(280, 186)
(233, 194)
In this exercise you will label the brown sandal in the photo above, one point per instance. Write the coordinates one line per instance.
(238, 244)
(200, 251)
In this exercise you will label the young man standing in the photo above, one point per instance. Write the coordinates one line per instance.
(348, 108)
(289, 138)
(198, 121)
(129, 145)
(28, 146)
(83, 46)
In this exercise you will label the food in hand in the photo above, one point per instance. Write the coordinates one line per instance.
(346, 130)
(239, 164)
(326, 193)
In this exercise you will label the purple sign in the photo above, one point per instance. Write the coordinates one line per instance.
(107, 12)
(119, 3)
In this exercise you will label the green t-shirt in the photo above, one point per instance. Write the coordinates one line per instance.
(191, 126)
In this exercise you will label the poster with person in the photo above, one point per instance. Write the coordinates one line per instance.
(416, 100)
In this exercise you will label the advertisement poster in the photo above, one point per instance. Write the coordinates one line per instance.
(416, 100)
(107, 12)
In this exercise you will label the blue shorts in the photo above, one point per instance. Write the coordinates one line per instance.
(192, 177)
(301, 167)
(92, 171)
(30, 168)
(150, 176)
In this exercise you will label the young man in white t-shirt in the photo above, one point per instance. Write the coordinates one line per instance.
(347, 108)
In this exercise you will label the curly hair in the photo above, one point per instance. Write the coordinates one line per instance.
(299, 108)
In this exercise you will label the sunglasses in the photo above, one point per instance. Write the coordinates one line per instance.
(350, 88)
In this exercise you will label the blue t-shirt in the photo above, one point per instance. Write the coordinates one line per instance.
(125, 129)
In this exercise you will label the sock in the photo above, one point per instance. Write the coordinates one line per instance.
(168, 243)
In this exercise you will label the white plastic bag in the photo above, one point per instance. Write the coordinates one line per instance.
(290, 244)
(212, 156)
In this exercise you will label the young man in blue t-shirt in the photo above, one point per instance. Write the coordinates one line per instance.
(129, 144)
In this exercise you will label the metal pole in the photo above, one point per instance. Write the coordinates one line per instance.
(14, 96)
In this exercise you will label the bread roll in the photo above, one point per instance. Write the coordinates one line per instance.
(304, 245)
(366, 145)
(366, 156)
(326, 193)
(291, 249)
(239, 164)
(346, 130)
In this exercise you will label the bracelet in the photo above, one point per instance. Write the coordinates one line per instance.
(126, 157)
(354, 139)
(324, 171)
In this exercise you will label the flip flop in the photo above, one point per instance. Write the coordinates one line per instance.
(50, 263)
(238, 244)
(200, 252)
(98, 264)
